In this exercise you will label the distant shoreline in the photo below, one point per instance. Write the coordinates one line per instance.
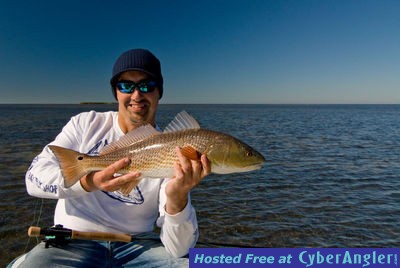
(96, 102)
(202, 104)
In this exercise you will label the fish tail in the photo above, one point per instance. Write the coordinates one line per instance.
(72, 164)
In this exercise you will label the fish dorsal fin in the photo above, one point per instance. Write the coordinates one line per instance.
(182, 121)
(133, 136)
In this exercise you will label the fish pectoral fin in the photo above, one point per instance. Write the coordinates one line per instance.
(190, 153)
(127, 188)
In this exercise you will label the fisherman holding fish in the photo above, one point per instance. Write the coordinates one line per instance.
(116, 172)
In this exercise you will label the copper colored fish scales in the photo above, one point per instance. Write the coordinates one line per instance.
(153, 153)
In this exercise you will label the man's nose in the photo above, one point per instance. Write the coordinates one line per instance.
(136, 94)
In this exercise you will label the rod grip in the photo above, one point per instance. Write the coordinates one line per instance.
(34, 231)
(101, 236)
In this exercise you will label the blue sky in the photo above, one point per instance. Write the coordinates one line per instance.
(250, 51)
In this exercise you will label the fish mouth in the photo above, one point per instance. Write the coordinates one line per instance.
(255, 167)
(236, 169)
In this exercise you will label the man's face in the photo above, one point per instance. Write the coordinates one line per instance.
(136, 108)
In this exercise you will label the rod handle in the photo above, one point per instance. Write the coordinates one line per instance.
(34, 231)
(101, 236)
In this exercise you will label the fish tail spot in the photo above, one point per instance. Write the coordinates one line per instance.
(71, 164)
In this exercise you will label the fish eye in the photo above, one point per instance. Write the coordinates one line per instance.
(80, 157)
(248, 153)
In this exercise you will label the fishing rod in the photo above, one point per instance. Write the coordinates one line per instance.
(58, 235)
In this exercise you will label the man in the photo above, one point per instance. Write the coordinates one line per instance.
(96, 204)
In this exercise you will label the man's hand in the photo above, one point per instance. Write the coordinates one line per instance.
(188, 174)
(105, 180)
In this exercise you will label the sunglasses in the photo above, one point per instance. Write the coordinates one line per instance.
(143, 86)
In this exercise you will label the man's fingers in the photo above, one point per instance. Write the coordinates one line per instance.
(206, 165)
(194, 169)
(178, 170)
(121, 181)
(116, 166)
(185, 163)
(127, 178)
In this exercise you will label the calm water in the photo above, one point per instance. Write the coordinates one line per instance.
(332, 178)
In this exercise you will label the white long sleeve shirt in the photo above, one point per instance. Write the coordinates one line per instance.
(108, 211)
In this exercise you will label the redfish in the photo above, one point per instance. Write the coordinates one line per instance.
(153, 153)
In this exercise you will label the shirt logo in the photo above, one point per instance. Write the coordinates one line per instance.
(134, 197)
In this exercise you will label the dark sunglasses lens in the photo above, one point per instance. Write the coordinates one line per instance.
(126, 87)
(146, 87)
(129, 87)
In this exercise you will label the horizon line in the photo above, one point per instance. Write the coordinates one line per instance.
(115, 103)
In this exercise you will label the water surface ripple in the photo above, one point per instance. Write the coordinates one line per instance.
(331, 177)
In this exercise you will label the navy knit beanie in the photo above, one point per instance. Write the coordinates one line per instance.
(137, 60)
